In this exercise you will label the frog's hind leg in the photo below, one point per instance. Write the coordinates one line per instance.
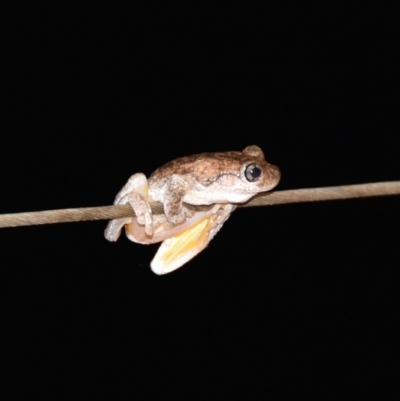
(114, 227)
(135, 193)
(136, 183)
(177, 250)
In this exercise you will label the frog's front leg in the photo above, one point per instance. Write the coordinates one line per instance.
(174, 209)
(135, 193)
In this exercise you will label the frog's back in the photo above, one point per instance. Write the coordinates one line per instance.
(204, 167)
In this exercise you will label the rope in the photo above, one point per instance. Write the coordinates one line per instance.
(272, 198)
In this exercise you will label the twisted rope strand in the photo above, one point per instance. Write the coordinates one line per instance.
(268, 199)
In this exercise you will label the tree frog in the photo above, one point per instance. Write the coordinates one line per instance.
(222, 179)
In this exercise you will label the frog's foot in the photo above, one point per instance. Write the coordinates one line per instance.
(134, 193)
(142, 209)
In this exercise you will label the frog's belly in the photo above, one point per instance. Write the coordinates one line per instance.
(202, 198)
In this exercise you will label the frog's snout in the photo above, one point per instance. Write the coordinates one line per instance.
(274, 174)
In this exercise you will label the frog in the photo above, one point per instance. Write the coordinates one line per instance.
(198, 194)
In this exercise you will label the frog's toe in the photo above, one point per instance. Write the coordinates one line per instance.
(141, 207)
(114, 227)
(148, 228)
(145, 219)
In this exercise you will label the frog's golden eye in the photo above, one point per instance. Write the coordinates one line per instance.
(253, 172)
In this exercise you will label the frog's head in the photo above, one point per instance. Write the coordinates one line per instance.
(240, 175)
(256, 174)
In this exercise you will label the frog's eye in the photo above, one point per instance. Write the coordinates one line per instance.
(253, 172)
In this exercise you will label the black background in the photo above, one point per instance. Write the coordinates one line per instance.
(91, 96)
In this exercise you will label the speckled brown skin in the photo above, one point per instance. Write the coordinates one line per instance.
(209, 178)
(207, 168)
